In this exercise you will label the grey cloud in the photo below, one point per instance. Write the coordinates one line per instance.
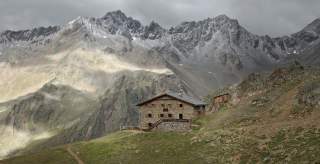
(272, 17)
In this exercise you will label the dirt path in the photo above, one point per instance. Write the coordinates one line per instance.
(74, 155)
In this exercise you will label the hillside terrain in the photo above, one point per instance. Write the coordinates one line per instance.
(271, 118)
(81, 80)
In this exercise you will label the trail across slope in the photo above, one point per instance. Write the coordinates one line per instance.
(74, 155)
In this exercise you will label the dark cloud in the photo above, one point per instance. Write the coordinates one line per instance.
(273, 17)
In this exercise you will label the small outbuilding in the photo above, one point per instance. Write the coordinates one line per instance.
(219, 100)
(223, 98)
(170, 111)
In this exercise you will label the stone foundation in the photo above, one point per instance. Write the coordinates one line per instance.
(173, 126)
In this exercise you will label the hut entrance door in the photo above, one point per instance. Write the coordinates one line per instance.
(180, 116)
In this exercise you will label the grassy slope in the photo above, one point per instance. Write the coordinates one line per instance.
(268, 125)
(50, 156)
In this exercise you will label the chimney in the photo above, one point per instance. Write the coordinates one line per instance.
(180, 92)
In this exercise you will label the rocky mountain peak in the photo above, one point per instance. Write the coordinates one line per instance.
(223, 21)
(117, 16)
(222, 17)
(310, 33)
(117, 20)
(216, 23)
(154, 25)
(153, 31)
(222, 29)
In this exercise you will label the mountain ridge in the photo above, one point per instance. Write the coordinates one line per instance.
(117, 22)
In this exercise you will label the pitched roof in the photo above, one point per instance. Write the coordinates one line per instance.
(221, 92)
(182, 97)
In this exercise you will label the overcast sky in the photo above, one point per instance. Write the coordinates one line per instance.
(272, 17)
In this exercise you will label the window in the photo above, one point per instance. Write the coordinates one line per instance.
(180, 105)
(162, 105)
(165, 110)
(169, 105)
(149, 115)
(170, 115)
(161, 115)
(180, 116)
(150, 124)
